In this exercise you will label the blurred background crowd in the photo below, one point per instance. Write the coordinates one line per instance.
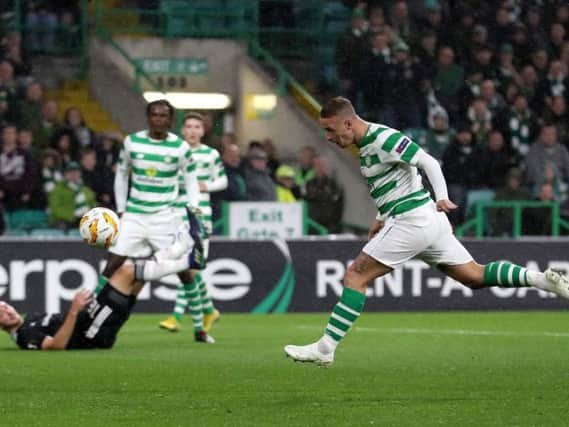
(482, 86)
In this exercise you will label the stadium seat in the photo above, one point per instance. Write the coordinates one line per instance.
(27, 219)
(47, 232)
(16, 233)
(236, 18)
(209, 16)
(178, 18)
(475, 196)
(73, 232)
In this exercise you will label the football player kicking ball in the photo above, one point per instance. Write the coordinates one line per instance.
(211, 177)
(408, 225)
(94, 321)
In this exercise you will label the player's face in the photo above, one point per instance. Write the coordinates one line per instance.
(9, 317)
(193, 131)
(338, 130)
(159, 119)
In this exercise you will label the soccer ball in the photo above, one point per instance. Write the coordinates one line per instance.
(99, 227)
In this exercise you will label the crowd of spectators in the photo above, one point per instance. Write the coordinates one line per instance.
(482, 86)
(259, 176)
(46, 164)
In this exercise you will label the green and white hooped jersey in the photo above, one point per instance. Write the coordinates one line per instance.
(154, 168)
(209, 168)
(388, 162)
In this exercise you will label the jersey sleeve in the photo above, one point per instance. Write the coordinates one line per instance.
(400, 148)
(218, 177)
(188, 169)
(121, 177)
(30, 337)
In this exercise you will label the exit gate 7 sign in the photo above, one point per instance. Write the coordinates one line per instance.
(265, 219)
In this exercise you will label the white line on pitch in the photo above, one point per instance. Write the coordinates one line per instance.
(470, 332)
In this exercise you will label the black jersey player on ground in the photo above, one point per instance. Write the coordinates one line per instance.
(91, 322)
(95, 321)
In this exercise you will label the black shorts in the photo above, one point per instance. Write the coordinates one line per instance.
(99, 323)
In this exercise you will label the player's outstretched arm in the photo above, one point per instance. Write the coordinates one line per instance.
(120, 184)
(188, 169)
(61, 338)
(217, 171)
(434, 172)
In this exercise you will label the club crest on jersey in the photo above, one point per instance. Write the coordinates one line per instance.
(168, 159)
(402, 145)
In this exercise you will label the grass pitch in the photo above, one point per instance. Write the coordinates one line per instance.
(456, 369)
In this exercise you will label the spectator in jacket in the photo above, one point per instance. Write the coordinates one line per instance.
(70, 199)
(18, 173)
(325, 197)
(546, 149)
(260, 186)
(285, 183)
(459, 168)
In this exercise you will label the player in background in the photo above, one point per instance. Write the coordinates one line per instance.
(409, 224)
(91, 321)
(151, 159)
(211, 178)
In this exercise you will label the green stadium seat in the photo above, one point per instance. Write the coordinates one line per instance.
(47, 232)
(178, 18)
(236, 18)
(73, 232)
(475, 196)
(27, 219)
(16, 233)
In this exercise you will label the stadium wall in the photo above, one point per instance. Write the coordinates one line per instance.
(293, 276)
(112, 87)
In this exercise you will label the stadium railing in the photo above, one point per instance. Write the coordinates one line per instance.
(480, 221)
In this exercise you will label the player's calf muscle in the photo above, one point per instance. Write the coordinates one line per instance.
(470, 275)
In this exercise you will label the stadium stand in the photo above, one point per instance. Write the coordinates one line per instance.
(430, 68)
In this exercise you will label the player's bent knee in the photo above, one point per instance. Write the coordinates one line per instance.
(354, 280)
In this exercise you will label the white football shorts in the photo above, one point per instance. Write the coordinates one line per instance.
(142, 234)
(422, 233)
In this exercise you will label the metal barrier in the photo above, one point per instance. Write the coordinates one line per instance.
(479, 223)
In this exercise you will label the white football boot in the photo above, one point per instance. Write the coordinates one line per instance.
(559, 284)
(309, 353)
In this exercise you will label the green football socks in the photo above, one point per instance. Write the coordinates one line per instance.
(507, 275)
(345, 313)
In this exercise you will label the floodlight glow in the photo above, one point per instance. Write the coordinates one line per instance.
(264, 102)
(192, 100)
